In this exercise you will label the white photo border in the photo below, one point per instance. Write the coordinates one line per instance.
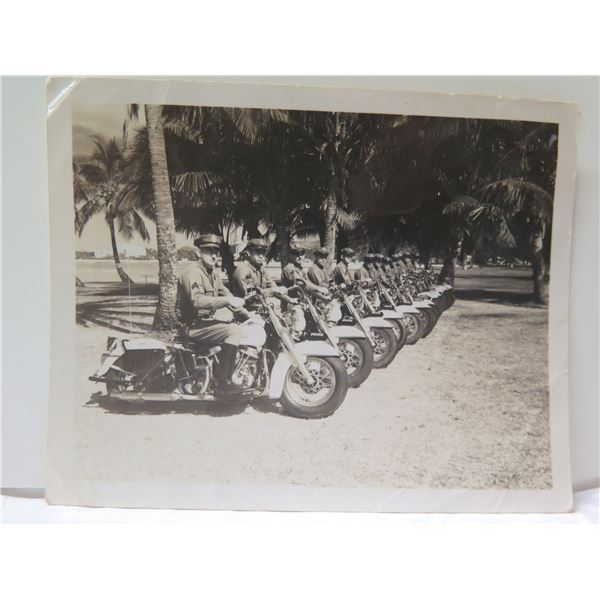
(64, 488)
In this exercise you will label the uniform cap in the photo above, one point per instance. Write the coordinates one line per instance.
(369, 258)
(297, 250)
(257, 244)
(322, 252)
(209, 240)
(347, 252)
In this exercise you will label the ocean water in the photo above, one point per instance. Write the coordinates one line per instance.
(141, 271)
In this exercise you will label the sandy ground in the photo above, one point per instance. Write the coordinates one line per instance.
(465, 408)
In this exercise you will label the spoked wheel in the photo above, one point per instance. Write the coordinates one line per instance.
(414, 328)
(431, 320)
(400, 333)
(321, 398)
(357, 356)
(384, 348)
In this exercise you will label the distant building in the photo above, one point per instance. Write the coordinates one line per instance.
(79, 254)
(102, 254)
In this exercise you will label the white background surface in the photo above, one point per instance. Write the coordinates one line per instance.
(25, 290)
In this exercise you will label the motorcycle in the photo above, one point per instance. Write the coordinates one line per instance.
(371, 302)
(308, 378)
(379, 332)
(321, 317)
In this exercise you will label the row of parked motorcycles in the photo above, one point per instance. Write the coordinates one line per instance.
(307, 364)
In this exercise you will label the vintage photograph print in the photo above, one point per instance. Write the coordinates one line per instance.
(281, 299)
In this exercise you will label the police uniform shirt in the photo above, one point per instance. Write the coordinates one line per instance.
(247, 276)
(341, 273)
(317, 275)
(198, 293)
(361, 274)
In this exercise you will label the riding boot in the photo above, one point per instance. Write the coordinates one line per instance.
(227, 362)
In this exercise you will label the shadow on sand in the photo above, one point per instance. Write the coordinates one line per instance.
(510, 298)
(126, 309)
(225, 408)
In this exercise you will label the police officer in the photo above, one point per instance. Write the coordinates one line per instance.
(251, 273)
(317, 272)
(399, 266)
(200, 294)
(341, 272)
(362, 273)
(293, 274)
(378, 263)
(406, 256)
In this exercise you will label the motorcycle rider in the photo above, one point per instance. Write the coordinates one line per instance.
(341, 272)
(200, 294)
(398, 265)
(318, 272)
(362, 273)
(251, 273)
(293, 274)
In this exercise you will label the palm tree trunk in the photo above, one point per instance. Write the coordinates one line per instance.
(449, 268)
(227, 259)
(113, 240)
(165, 318)
(330, 224)
(283, 238)
(540, 285)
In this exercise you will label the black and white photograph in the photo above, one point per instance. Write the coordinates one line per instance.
(324, 299)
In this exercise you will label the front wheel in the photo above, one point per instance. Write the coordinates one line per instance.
(400, 333)
(321, 398)
(414, 328)
(357, 355)
(384, 349)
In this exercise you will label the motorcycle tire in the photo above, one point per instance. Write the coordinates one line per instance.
(432, 318)
(296, 404)
(415, 328)
(387, 339)
(451, 298)
(365, 352)
(399, 332)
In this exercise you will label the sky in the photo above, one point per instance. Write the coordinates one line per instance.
(107, 120)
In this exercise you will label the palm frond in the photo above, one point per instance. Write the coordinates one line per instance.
(460, 206)
(194, 183)
(519, 195)
(347, 220)
(140, 226)
(84, 212)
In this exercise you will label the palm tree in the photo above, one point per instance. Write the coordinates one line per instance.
(344, 144)
(100, 186)
(531, 205)
(165, 318)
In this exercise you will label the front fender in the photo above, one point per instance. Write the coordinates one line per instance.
(316, 348)
(408, 308)
(278, 373)
(377, 322)
(391, 314)
(284, 361)
(423, 304)
(347, 331)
